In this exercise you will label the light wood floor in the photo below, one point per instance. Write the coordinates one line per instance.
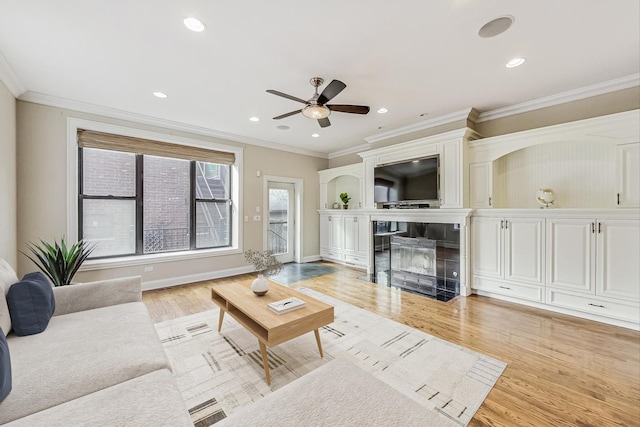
(562, 370)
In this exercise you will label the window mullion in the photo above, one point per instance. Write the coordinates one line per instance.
(192, 205)
(139, 204)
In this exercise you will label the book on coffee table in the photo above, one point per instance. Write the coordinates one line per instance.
(286, 305)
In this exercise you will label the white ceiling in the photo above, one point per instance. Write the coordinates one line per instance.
(410, 56)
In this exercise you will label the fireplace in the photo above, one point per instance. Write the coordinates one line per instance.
(422, 258)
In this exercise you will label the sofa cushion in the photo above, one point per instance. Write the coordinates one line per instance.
(5, 367)
(7, 278)
(31, 304)
(80, 353)
(150, 400)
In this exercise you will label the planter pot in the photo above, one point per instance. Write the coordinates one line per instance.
(260, 285)
(345, 206)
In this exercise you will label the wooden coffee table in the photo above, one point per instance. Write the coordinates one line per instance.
(271, 329)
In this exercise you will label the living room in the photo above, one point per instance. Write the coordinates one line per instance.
(39, 199)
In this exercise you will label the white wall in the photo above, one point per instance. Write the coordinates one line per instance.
(42, 206)
(582, 175)
(7, 176)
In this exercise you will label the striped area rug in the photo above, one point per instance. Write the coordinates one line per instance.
(218, 373)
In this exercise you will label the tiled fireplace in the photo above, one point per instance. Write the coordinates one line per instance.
(418, 257)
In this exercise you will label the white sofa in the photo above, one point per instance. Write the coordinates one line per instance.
(98, 362)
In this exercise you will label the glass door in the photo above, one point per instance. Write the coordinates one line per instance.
(280, 232)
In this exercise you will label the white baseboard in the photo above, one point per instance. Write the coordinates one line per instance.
(192, 278)
(312, 258)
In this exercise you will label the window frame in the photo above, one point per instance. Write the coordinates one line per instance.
(73, 194)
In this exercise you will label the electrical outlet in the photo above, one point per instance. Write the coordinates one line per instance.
(246, 218)
(148, 269)
(256, 218)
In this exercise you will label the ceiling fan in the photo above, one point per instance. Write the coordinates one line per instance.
(317, 107)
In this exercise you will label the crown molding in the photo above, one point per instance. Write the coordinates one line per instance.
(351, 150)
(9, 78)
(562, 97)
(425, 124)
(54, 101)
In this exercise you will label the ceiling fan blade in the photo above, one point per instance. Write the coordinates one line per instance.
(324, 122)
(334, 88)
(282, 116)
(284, 95)
(355, 109)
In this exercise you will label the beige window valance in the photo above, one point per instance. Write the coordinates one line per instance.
(108, 141)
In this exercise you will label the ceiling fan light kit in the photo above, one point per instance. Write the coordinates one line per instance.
(317, 108)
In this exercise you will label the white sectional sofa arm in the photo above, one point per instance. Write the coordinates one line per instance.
(103, 293)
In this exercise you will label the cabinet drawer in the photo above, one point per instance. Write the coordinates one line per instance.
(531, 293)
(592, 304)
(334, 255)
(355, 259)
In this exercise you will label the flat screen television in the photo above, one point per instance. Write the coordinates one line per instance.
(411, 183)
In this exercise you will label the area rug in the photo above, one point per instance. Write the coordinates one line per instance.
(218, 373)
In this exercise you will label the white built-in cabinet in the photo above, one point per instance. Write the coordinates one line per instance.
(481, 185)
(593, 266)
(507, 256)
(628, 175)
(344, 238)
(581, 262)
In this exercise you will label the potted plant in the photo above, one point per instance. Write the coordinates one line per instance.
(59, 262)
(266, 264)
(345, 200)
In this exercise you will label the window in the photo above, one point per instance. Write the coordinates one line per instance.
(135, 204)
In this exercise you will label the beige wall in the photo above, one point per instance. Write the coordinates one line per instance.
(8, 176)
(42, 192)
(601, 105)
(596, 106)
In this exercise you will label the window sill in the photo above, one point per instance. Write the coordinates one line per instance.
(128, 261)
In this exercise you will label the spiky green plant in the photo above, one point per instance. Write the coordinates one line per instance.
(58, 262)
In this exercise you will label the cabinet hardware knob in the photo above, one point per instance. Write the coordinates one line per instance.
(489, 201)
(504, 287)
(618, 196)
(597, 305)
(501, 223)
(506, 223)
(329, 218)
(593, 227)
(599, 228)
(355, 219)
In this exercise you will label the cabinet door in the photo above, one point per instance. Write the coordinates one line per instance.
(481, 184)
(451, 175)
(570, 254)
(486, 246)
(337, 233)
(618, 259)
(364, 232)
(523, 250)
(325, 232)
(350, 234)
(628, 179)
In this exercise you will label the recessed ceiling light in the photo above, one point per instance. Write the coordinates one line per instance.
(380, 127)
(315, 135)
(424, 114)
(515, 62)
(254, 119)
(194, 24)
(382, 110)
(496, 26)
(160, 94)
(283, 127)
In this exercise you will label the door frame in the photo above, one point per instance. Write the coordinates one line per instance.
(297, 203)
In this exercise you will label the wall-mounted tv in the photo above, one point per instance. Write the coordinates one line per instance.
(410, 183)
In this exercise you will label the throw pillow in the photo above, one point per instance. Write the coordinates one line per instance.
(31, 304)
(5, 367)
(7, 278)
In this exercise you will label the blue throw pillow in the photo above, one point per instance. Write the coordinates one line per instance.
(31, 304)
(5, 367)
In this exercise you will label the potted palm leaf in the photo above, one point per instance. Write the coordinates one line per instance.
(58, 261)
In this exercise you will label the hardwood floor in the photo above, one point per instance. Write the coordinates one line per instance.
(562, 370)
